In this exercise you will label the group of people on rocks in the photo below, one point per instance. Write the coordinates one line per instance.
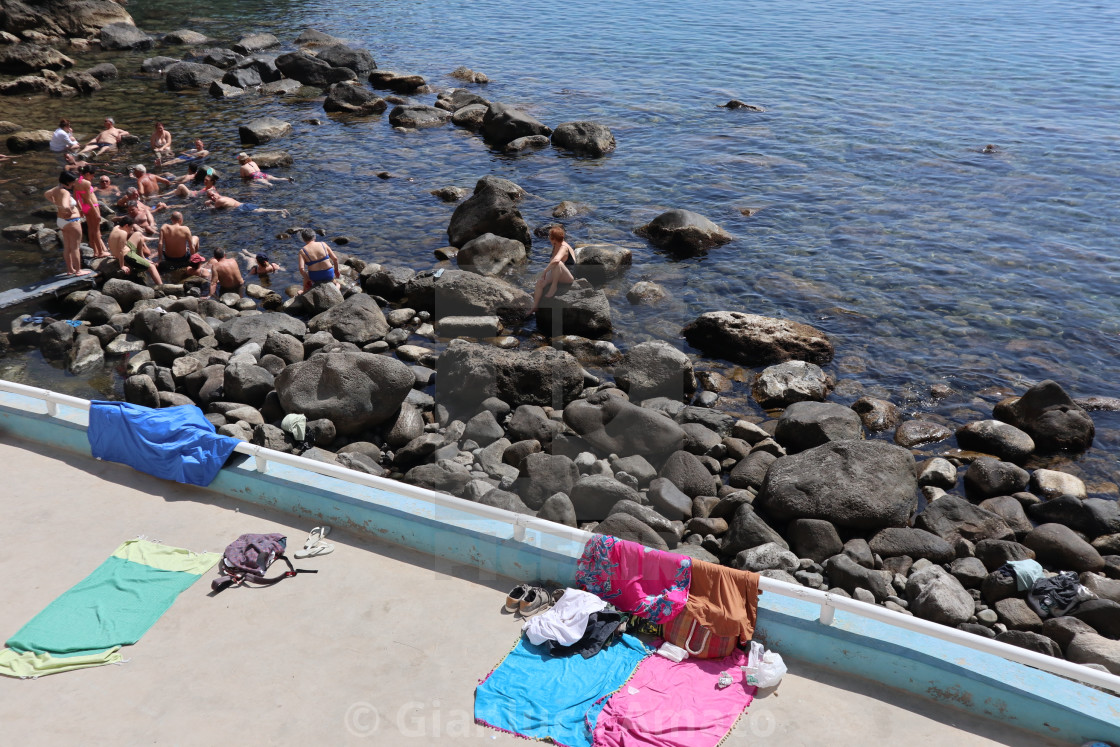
(85, 189)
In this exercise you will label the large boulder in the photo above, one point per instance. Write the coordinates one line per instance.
(18, 59)
(255, 43)
(340, 55)
(358, 319)
(987, 477)
(615, 426)
(248, 383)
(353, 390)
(601, 262)
(1090, 648)
(953, 518)
(584, 138)
(757, 340)
(655, 369)
(417, 116)
(577, 309)
(61, 17)
(125, 36)
(184, 75)
(629, 527)
(263, 130)
(468, 373)
(503, 124)
(242, 329)
(815, 539)
(1050, 417)
(354, 99)
(849, 575)
(311, 71)
(489, 210)
(1002, 440)
(593, 496)
(490, 255)
(1059, 546)
(544, 475)
(916, 543)
(26, 140)
(805, 425)
(937, 596)
(789, 382)
(459, 293)
(689, 474)
(684, 232)
(1093, 517)
(856, 484)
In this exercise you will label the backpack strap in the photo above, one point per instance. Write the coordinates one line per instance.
(224, 582)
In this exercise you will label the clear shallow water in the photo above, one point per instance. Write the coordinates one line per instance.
(880, 221)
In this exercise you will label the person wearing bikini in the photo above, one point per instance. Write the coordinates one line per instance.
(251, 172)
(69, 222)
(557, 271)
(161, 142)
(90, 209)
(317, 261)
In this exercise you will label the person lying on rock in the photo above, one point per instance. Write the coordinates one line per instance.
(317, 261)
(194, 155)
(108, 139)
(251, 172)
(557, 271)
(225, 274)
(219, 202)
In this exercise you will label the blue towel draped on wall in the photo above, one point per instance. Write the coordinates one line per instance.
(175, 443)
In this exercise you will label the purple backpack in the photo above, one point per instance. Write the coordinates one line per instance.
(247, 559)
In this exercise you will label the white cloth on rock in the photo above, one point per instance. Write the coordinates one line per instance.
(566, 622)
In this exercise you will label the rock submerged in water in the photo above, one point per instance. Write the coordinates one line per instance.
(757, 340)
(352, 98)
(185, 75)
(263, 130)
(311, 71)
(584, 138)
(417, 116)
(124, 36)
(504, 124)
(684, 232)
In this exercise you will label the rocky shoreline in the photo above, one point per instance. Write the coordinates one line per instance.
(436, 380)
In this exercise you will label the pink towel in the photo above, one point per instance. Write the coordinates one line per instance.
(671, 704)
(635, 578)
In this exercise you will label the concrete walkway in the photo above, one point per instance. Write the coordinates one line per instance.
(383, 646)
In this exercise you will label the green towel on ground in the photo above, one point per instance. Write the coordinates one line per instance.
(112, 607)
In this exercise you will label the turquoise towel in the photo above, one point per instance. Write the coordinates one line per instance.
(536, 695)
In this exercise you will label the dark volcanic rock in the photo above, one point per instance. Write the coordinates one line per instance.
(311, 71)
(577, 309)
(585, 138)
(684, 232)
(917, 543)
(689, 474)
(488, 210)
(987, 477)
(757, 340)
(124, 36)
(615, 426)
(1050, 417)
(468, 373)
(1059, 546)
(503, 124)
(459, 293)
(857, 484)
(594, 496)
(805, 425)
(1002, 440)
(655, 369)
(353, 390)
(418, 115)
(183, 75)
(952, 518)
(340, 55)
(628, 527)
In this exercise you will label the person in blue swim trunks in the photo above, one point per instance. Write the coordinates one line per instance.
(317, 261)
(220, 202)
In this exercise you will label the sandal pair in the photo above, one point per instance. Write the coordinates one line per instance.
(315, 546)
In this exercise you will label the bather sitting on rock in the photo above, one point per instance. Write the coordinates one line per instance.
(250, 171)
(141, 217)
(557, 271)
(225, 274)
(176, 244)
(108, 139)
(129, 247)
(317, 261)
(219, 202)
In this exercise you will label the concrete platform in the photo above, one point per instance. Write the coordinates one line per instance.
(384, 646)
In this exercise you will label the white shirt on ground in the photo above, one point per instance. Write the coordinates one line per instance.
(566, 622)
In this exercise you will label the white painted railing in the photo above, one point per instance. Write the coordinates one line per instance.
(828, 602)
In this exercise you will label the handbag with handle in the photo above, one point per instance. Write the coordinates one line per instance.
(685, 631)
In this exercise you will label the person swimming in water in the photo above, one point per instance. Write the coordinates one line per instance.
(220, 202)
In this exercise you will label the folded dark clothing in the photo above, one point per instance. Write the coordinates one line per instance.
(601, 628)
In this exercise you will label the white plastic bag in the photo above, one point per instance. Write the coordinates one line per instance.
(771, 670)
(764, 668)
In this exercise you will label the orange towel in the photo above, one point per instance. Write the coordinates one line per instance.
(724, 600)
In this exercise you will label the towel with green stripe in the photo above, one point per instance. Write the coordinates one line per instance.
(112, 607)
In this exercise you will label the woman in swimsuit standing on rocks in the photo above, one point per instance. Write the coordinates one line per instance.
(91, 209)
(317, 261)
(69, 222)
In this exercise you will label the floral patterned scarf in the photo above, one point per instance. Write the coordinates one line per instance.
(635, 578)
